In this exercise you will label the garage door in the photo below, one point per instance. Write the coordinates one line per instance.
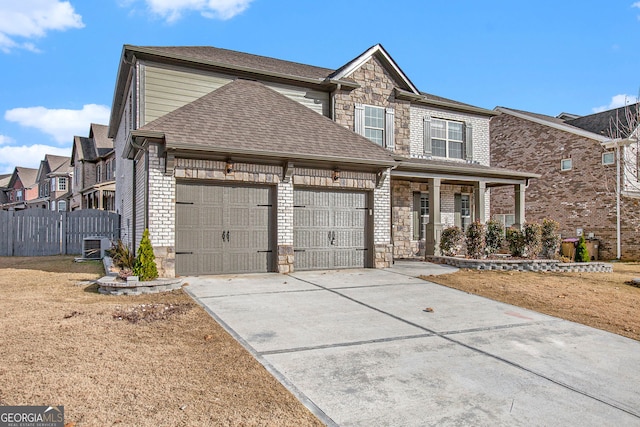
(223, 229)
(329, 229)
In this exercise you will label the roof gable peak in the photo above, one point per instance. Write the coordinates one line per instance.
(379, 52)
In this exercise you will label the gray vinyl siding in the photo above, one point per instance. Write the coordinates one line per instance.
(169, 88)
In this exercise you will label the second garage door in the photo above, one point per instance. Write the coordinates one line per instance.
(330, 229)
(223, 229)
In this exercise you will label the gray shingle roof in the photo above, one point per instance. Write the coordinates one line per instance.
(246, 116)
(240, 59)
(28, 176)
(607, 121)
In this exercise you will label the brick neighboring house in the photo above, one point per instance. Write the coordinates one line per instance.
(94, 167)
(577, 161)
(22, 187)
(242, 163)
(54, 184)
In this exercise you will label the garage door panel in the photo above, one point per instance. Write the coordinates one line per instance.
(224, 228)
(329, 229)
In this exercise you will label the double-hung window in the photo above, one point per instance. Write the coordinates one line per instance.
(375, 124)
(420, 214)
(447, 139)
(62, 183)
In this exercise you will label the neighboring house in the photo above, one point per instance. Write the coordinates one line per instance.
(54, 184)
(22, 187)
(4, 188)
(578, 163)
(242, 163)
(94, 168)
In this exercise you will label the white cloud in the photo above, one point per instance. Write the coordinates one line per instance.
(636, 5)
(617, 101)
(172, 10)
(61, 124)
(5, 140)
(29, 19)
(28, 156)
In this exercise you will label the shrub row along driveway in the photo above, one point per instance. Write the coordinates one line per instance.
(381, 347)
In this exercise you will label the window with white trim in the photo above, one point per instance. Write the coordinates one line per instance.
(608, 158)
(374, 124)
(566, 164)
(62, 206)
(447, 138)
(62, 183)
(507, 220)
(19, 195)
(53, 205)
(98, 173)
(52, 181)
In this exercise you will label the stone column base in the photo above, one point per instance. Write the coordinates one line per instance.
(165, 261)
(285, 259)
(384, 256)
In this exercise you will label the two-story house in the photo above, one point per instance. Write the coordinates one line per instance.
(94, 168)
(589, 173)
(242, 163)
(22, 187)
(54, 184)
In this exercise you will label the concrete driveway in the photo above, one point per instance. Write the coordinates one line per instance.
(357, 348)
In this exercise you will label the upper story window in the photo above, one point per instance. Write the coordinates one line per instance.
(98, 173)
(52, 182)
(109, 170)
(608, 158)
(62, 183)
(566, 164)
(76, 175)
(447, 138)
(19, 195)
(376, 124)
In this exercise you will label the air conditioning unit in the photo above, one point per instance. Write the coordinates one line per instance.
(95, 247)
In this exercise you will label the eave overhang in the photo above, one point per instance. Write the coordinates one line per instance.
(425, 100)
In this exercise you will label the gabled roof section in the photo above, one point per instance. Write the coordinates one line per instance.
(617, 123)
(378, 51)
(247, 118)
(27, 176)
(97, 145)
(4, 180)
(100, 135)
(552, 122)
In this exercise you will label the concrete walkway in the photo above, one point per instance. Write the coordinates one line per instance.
(357, 348)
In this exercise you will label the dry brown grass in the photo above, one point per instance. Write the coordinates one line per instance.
(601, 300)
(150, 360)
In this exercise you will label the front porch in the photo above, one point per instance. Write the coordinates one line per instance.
(428, 196)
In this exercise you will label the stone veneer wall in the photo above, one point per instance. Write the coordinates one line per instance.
(524, 265)
(583, 197)
(376, 90)
(161, 220)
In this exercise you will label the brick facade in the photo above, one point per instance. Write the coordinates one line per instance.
(580, 198)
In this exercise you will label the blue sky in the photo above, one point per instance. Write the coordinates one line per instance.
(59, 59)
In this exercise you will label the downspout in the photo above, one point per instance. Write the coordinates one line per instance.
(146, 191)
(618, 226)
(332, 101)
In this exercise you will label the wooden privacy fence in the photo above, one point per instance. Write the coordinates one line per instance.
(39, 232)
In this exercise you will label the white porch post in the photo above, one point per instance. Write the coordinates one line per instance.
(434, 226)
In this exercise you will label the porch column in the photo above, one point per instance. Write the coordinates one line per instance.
(519, 208)
(434, 226)
(479, 201)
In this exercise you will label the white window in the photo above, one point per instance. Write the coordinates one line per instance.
(62, 183)
(608, 158)
(566, 164)
(53, 205)
(507, 220)
(19, 195)
(53, 184)
(447, 139)
(374, 124)
(62, 206)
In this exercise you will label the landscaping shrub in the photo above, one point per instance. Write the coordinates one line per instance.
(516, 242)
(121, 255)
(582, 253)
(145, 265)
(475, 240)
(451, 241)
(494, 237)
(550, 238)
(532, 240)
